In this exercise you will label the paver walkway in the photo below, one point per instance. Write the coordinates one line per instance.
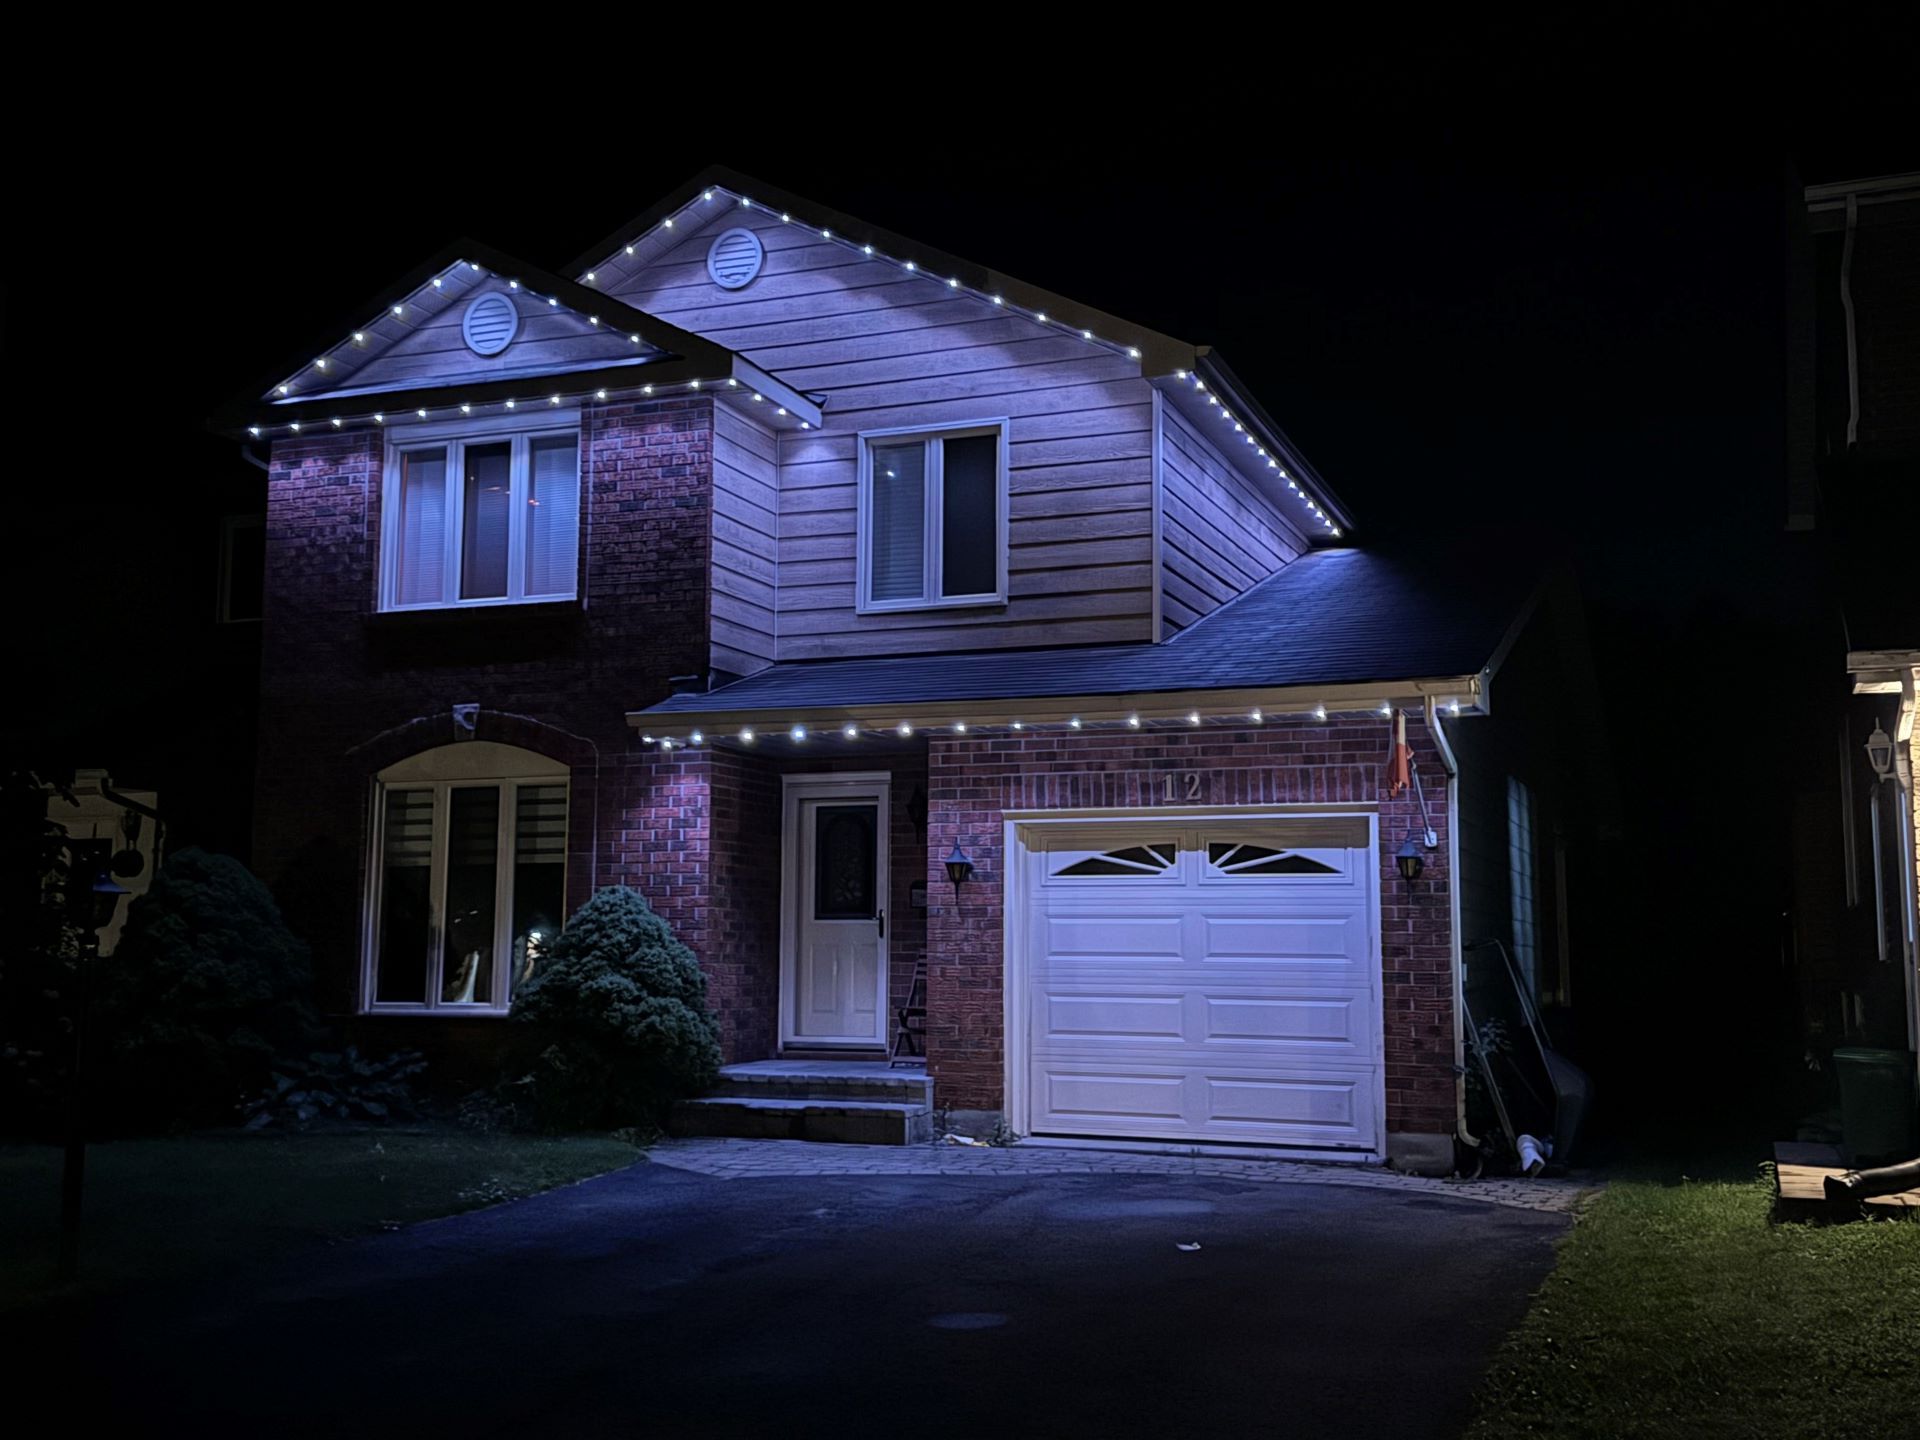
(763, 1159)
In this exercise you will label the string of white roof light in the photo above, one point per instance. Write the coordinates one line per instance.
(605, 392)
(954, 283)
(801, 733)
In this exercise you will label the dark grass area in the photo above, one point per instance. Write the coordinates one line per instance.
(167, 1209)
(1680, 1308)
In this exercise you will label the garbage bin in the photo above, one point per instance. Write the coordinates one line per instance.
(1876, 1105)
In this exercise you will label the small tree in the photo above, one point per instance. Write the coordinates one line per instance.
(617, 1019)
(206, 989)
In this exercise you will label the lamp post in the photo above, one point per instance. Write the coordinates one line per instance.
(93, 895)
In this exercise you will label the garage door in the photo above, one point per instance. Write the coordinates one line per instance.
(1208, 983)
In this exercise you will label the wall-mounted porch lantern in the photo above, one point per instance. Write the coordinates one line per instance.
(959, 868)
(1880, 751)
(1409, 859)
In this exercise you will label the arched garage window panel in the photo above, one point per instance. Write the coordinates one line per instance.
(1135, 860)
(468, 881)
(1226, 858)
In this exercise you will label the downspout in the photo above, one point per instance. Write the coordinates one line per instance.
(1458, 955)
(1909, 879)
(1846, 306)
(246, 454)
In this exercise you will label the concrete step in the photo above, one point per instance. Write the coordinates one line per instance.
(900, 1087)
(836, 1121)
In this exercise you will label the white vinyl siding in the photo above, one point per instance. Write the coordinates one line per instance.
(933, 517)
(481, 516)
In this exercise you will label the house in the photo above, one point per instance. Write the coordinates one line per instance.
(1854, 480)
(787, 569)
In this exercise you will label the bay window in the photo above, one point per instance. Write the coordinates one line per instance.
(467, 885)
(481, 516)
(933, 517)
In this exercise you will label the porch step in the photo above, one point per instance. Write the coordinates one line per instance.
(840, 1122)
(847, 1102)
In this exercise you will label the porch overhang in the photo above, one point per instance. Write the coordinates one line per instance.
(712, 716)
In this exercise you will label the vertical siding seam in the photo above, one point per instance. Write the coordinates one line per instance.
(1157, 627)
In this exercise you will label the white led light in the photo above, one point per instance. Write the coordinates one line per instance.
(696, 738)
(999, 299)
(588, 277)
(509, 404)
(666, 744)
(296, 427)
(960, 727)
(781, 410)
(466, 409)
(866, 249)
(1041, 316)
(473, 264)
(280, 389)
(758, 396)
(646, 739)
(552, 301)
(1387, 709)
(1086, 334)
(706, 195)
(785, 217)
(378, 418)
(254, 430)
(826, 234)
(1074, 724)
(1193, 717)
(321, 363)
(1319, 712)
(905, 729)
(436, 282)
(912, 266)
(693, 384)
(1453, 707)
(599, 394)
(852, 732)
(798, 732)
(1257, 717)
(359, 337)
(745, 203)
(1179, 374)
(646, 389)
(746, 737)
(733, 382)
(553, 399)
(1017, 725)
(421, 413)
(668, 222)
(593, 319)
(1133, 352)
(629, 249)
(806, 424)
(634, 338)
(337, 422)
(1133, 721)
(953, 283)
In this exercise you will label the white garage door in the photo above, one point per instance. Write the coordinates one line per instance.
(1203, 982)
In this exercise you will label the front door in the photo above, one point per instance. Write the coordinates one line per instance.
(834, 931)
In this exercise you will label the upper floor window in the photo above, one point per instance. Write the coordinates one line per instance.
(481, 516)
(467, 881)
(933, 517)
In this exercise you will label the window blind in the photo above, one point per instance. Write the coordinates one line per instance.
(489, 511)
(897, 555)
(553, 515)
(423, 526)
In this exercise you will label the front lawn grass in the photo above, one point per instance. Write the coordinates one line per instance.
(164, 1209)
(1680, 1309)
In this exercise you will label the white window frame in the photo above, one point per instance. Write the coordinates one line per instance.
(456, 436)
(499, 1002)
(930, 597)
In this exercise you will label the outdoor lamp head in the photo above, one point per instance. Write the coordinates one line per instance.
(1880, 751)
(1409, 859)
(959, 867)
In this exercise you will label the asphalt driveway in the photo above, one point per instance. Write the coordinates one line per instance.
(655, 1301)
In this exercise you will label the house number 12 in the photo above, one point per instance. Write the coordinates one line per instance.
(1182, 787)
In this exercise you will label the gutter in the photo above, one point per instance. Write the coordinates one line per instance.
(1455, 941)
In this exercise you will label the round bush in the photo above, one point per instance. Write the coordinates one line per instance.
(617, 1018)
(206, 989)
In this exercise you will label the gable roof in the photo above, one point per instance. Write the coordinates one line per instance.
(1344, 620)
(622, 348)
(1193, 377)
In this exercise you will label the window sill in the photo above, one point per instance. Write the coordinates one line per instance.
(427, 614)
(911, 607)
(439, 1012)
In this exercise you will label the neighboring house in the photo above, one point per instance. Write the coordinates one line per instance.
(766, 561)
(1855, 477)
(122, 831)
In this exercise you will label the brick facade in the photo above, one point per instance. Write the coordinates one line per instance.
(974, 781)
(346, 690)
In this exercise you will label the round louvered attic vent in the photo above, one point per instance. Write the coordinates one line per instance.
(734, 259)
(490, 324)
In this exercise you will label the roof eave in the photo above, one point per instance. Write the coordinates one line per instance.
(1160, 705)
(1213, 369)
